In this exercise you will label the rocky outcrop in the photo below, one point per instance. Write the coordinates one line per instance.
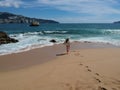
(53, 41)
(6, 17)
(4, 38)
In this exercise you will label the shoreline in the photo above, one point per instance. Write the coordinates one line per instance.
(38, 56)
(33, 47)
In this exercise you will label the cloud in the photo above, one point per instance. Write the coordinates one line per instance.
(86, 19)
(10, 3)
(90, 7)
(85, 10)
(93, 7)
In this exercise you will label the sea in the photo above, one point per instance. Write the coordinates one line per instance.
(40, 36)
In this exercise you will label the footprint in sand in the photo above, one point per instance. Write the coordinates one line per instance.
(97, 74)
(119, 87)
(116, 82)
(77, 85)
(69, 86)
(77, 54)
(81, 64)
(101, 88)
(114, 85)
(114, 89)
(89, 70)
(86, 66)
(98, 80)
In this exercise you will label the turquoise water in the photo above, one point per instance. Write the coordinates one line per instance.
(32, 37)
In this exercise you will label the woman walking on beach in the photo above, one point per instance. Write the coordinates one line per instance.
(67, 43)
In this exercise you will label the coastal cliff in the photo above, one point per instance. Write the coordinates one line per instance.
(6, 17)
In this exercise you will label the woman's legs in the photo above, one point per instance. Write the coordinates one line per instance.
(68, 48)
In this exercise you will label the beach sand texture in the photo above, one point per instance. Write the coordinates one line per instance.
(84, 69)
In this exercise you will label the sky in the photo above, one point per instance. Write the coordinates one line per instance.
(65, 11)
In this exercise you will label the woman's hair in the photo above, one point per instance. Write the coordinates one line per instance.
(67, 40)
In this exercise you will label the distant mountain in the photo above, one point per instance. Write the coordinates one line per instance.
(117, 22)
(6, 17)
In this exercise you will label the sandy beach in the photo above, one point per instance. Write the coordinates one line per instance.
(88, 66)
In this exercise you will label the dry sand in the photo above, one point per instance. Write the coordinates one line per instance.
(84, 69)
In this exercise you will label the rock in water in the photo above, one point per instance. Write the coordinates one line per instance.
(4, 38)
(53, 41)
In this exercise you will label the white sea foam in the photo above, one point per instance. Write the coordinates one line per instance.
(102, 40)
(51, 32)
(26, 42)
(112, 31)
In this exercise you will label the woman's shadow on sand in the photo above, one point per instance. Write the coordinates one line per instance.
(61, 54)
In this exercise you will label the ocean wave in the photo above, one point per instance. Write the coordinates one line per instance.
(38, 33)
(112, 31)
(54, 32)
(27, 41)
(25, 44)
(109, 40)
(75, 32)
(26, 34)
